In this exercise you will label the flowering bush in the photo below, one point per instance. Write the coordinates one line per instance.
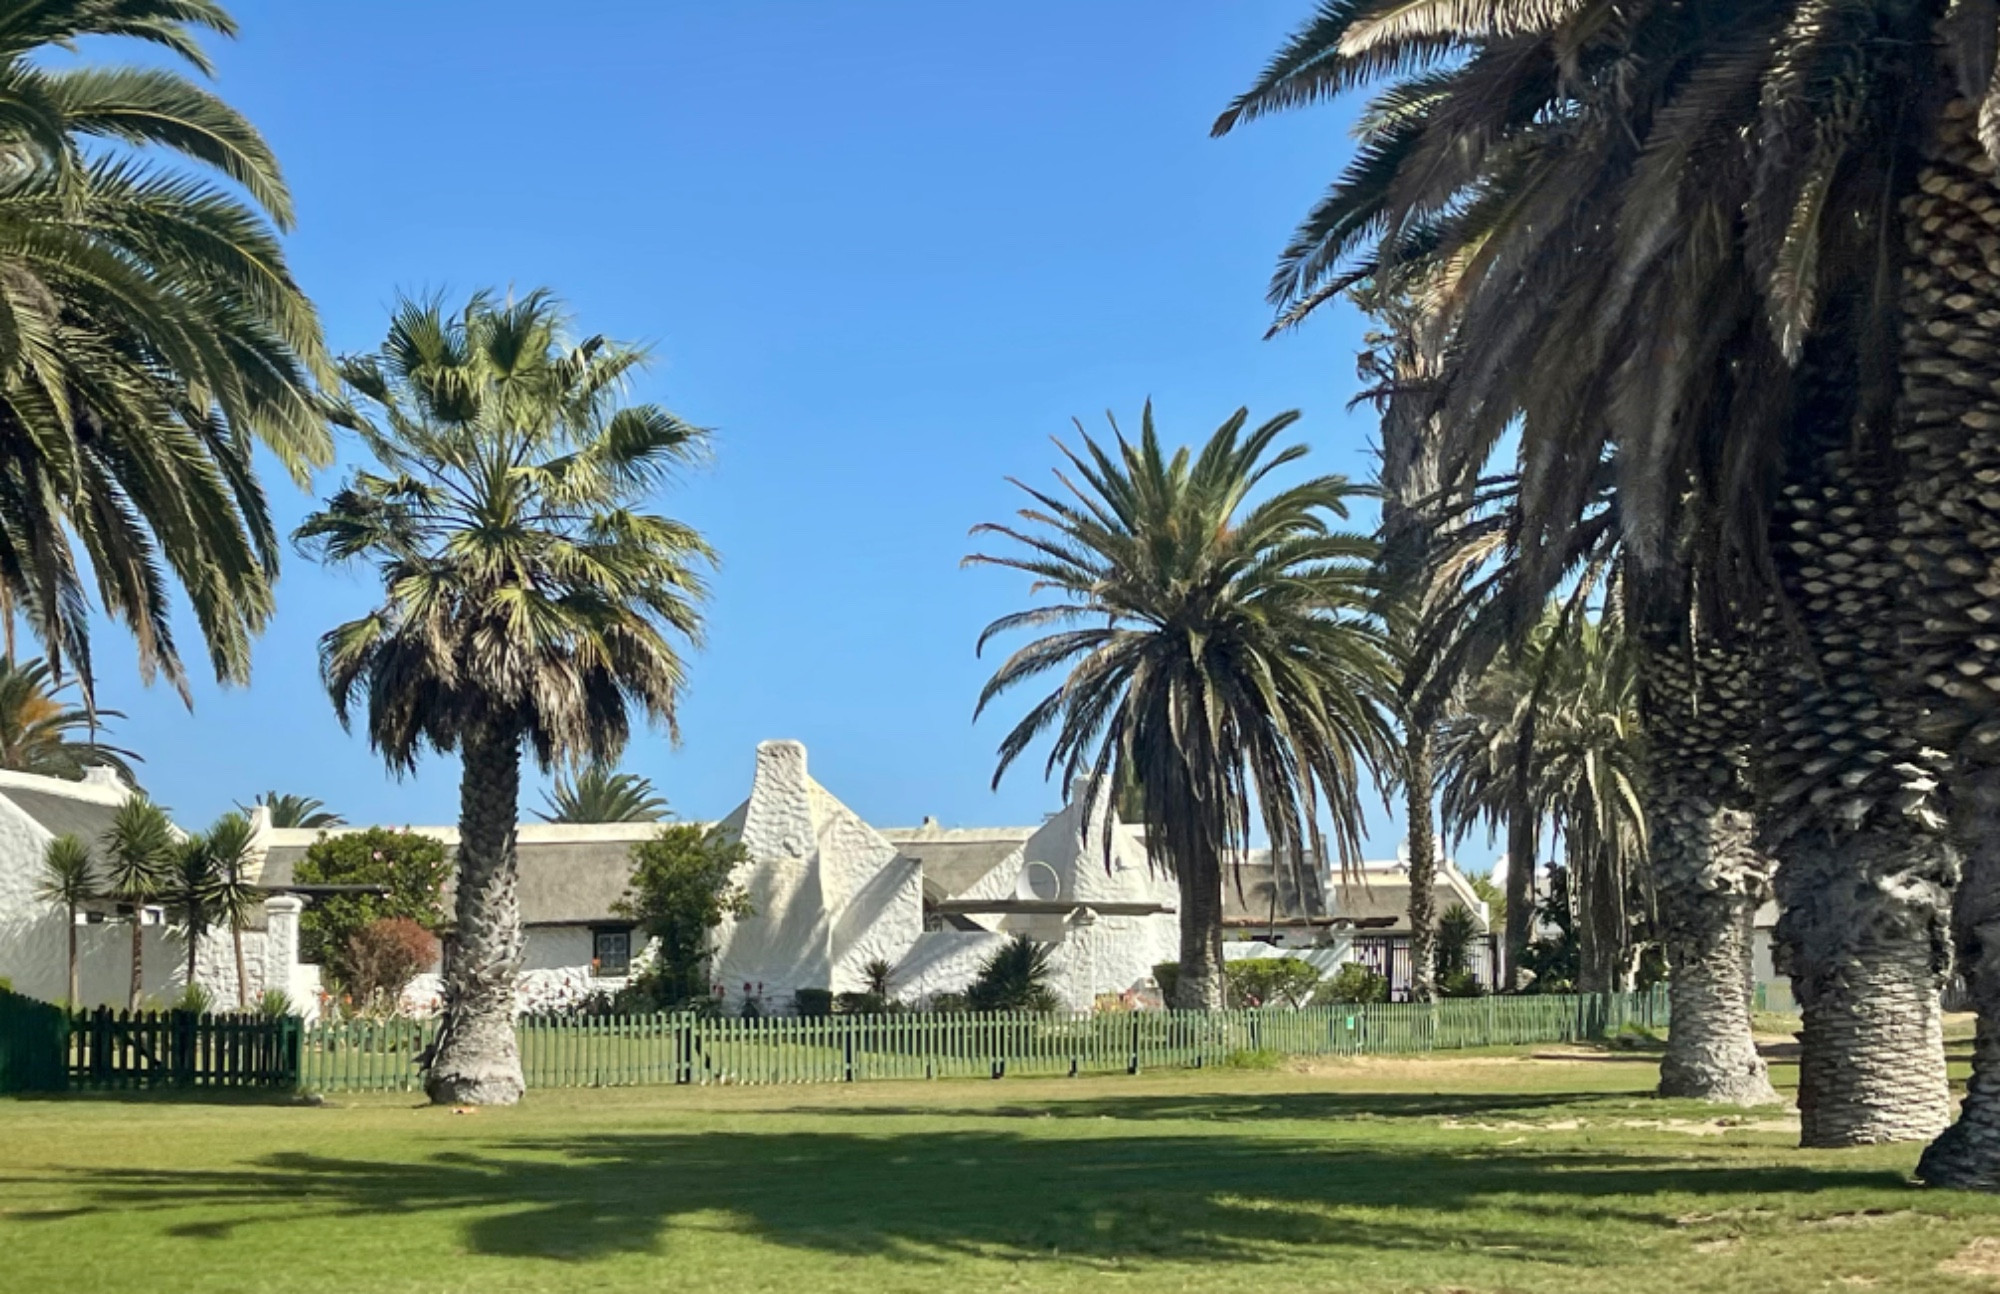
(411, 870)
(380, 959)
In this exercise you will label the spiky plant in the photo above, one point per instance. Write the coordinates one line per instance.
(69, 877)
(529, 598)
(1215, 644)
(599, 794)
(1015, 977)
(233, 894)
(138, 859)
(151, 336)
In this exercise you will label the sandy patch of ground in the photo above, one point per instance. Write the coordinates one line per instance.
(1688, 1127)
(1979, 1260)
(1425, 1065)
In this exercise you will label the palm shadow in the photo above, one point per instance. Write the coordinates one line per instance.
(930, 1196)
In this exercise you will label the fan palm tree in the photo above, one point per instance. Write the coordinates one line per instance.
(150, 337)
(1681, 230)
(233, 896)
(289, 810)
(69, 877)
(528, 597)
(138, 858)
(598, 794)
(1214, 644)
(41, 733)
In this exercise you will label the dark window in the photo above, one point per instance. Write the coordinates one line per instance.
(610, 952)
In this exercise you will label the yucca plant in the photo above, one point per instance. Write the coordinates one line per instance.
(138, 860)
(1211, 645)
(69, 877)
(1015, 977)
(530, 599)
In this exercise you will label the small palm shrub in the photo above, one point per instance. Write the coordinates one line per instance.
(274, 1004)
(1014, 978)
(1352, 985)
(195, 999)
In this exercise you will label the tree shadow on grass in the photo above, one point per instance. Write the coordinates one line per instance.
(934, 1197)
(1263, 1107)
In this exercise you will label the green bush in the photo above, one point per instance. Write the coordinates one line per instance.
(1269, 981)
(812, 1003)
(1260, 1058)
(862, 1004)
(949, 1003)
(1353, 984)
(1460, 983)
(274, 1004)
(680, 891)
(1457, 928)
(195, 999)
(1015, 978)
(1168, 976)
(411, 869)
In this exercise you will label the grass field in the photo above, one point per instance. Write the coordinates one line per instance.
(1482, 1172)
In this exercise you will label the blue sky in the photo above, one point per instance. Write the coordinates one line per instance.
(885, 250)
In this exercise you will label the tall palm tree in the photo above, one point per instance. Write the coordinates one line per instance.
(1214, 645)
(1681, 230)
(289, 810)
(40, 732)
(138, 858)
(528, 597)
(597, 794)
(150, 336)
(69, 877)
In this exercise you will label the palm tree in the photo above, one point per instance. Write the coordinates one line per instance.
(138, 855)
(189, 894)
(69, 877)
(598, 794)
(42, 733)
(295, 810)
(150, 337)
(1678, 229)
(1215, 645)
(527, 597)
(232, 894)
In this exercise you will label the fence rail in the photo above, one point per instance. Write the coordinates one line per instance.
(115, 1049)
(625, 1051)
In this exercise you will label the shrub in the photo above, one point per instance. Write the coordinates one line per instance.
(949, 1003)
(1246, 1058)
(411, 868)
(1014, 978)
(381, 959)
(274, 1004)
(680, 891)
(812, 1002)
(866, 1003)
(1456, 930)
(1269, 981)
(1167, 975)
(194, 999)
(1460, 983)
(1353, 984)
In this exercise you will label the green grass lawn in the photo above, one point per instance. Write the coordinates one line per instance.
(1488, 1173)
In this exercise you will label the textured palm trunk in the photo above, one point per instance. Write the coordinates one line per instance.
(476, 1060)
(1600, 918)
(1521, 848)
(242, 980)
(138, 986)
(1968, 1154)
(1418, 784)
(1200, 985)
(1709, 877)
(75, 995)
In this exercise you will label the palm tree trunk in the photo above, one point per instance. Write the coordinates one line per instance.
(476, 1060)
(1600, 917)
(1863, 934)
(1521, 848)
(1417, 788)
(242, 980)
(1967, 1156)
(1200, 987)
(138, 988)
(75, 993)
(1708, 879)
(194, 953)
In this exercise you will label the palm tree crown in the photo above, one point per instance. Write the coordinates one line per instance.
(527, 593)
(1211, 644)
(150, 336)
(289, 810)
(39, 733)
(597, 794)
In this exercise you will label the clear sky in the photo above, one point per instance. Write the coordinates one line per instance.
(885, 250)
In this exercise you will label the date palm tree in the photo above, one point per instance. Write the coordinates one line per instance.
(598, 794)
(1212, 645)
(289, 810)
(40, 732)
(1682, 231)
(151, 336)
(69, 877)
(138, 860)
(529, 597)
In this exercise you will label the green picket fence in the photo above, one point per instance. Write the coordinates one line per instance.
(120, 1049)
(624, 1051)
(34, 1041)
